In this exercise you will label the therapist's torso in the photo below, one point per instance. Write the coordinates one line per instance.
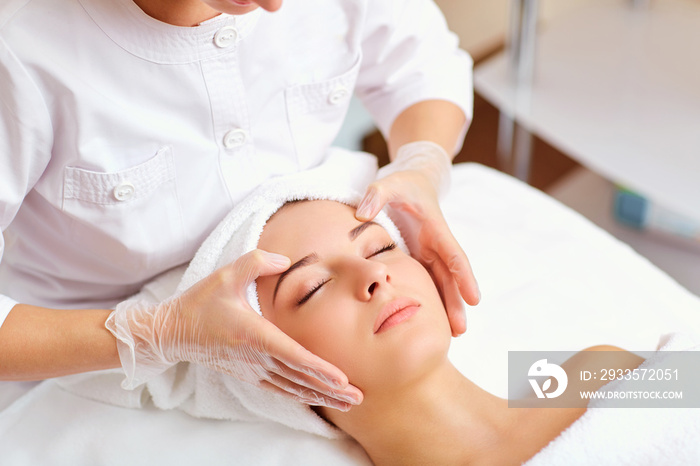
(128, 139)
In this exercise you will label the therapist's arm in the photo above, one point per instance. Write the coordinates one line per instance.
(38, 343)
(438, 121)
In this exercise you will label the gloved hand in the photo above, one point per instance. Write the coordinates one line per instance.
(213, 325)
(411, 186)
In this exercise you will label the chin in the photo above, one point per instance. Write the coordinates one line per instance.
(413, 352)
(421, 355)
(233, 8)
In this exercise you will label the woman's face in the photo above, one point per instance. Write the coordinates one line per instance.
(351, 296)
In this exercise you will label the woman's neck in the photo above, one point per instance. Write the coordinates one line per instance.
(178, 12)
(444, 419)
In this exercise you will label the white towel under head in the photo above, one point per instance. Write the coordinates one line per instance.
(201, 392)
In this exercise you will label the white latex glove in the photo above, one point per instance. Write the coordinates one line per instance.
(212, 324)
(411, 186)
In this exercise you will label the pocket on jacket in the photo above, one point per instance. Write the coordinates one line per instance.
(316, 112)
(130, 219)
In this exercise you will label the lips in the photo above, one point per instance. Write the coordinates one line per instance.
(395, 312)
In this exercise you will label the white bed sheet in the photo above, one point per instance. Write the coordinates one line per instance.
(550, 280)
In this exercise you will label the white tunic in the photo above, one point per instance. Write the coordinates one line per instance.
(125, 140)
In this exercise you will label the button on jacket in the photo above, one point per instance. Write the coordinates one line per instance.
(124, 140)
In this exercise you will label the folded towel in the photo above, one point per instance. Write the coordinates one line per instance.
(607, 436)
(202, 392)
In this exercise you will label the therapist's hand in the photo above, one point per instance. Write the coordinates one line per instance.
(212, 324)
(411, 186)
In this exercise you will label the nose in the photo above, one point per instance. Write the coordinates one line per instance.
(371, 277)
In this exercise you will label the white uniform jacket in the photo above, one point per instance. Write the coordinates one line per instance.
(124, 140)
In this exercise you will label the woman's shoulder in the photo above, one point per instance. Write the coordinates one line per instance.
(603, 356)
(604, 348)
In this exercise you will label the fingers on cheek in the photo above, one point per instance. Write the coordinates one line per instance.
(301, 384)
(453, 300)
(434, 239)
(302, 394)
(461, 270)
(428, 257)
(450, 296)
(298, 364)
(305, 376)
(438, 273)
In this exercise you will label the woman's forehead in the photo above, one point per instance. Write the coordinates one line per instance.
(309, 216)
(306, 212)
(309, 223)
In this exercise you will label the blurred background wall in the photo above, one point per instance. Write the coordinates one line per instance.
(482, 26)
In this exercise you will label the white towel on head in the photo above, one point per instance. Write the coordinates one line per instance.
(199, 391)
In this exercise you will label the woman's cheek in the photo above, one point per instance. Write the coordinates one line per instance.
(332, 333)
(413, 273)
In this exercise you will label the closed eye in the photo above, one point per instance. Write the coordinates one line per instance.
(388, 247)
(311, 292)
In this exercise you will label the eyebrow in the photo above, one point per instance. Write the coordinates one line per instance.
(357, 231)
(313, 257)
(303, 262)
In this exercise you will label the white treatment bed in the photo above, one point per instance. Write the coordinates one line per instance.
(550, 280)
